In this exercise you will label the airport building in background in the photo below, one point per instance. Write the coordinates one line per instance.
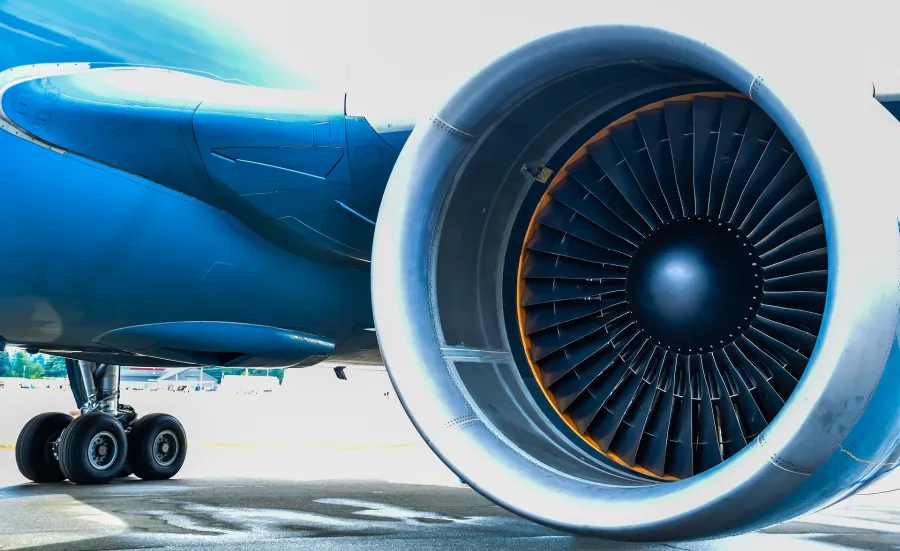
(163, 378)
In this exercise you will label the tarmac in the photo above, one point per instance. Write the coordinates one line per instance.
(308, 471)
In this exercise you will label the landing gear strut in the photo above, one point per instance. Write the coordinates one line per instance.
(106, 441)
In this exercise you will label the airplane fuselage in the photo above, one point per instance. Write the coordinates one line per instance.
(163, 210)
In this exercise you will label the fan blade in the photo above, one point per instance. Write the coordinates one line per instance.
(585, 411)
(776, 373)
(549, 315)
(767, 398)
(540, 265)
(545, 343)
(681, 439)
(794, 339)
(604, 431)
(758, 132)
(805, 262)
(777, 194)
(628, 438)
(808, 217)
(735, 115)
(560, 217)
(607, 155)
(541, 291)
(565, 361)
(784, 357)
(551, 241)
(653, 127)
(811, 301)
(652, 454)
(578, 197)
(815, 282)
(801, 319)
(707, 115)
(568, 389)
(789, 204)
(810, 240)
(732, 434)
(679, 124)
(752, 419)
(773, 159)
(631, 143)
(708, 454)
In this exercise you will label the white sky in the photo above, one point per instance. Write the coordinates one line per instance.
(413, 53)
(421, 49)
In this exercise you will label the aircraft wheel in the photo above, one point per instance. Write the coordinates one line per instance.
(92, 450)
(34, 447)
(157, 447)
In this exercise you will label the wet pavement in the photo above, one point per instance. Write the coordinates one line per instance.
(310, 468)
(350, 514)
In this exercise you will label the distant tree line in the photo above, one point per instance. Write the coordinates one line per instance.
(31, 366)
(36, 366)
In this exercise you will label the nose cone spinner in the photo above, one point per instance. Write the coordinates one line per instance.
(694, 284)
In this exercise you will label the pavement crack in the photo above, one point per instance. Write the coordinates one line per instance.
(672, 546)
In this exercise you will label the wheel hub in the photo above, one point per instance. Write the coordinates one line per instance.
(694, 284)
(165, 448)
(102, 451)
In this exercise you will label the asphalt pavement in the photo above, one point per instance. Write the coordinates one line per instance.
(309, 469)
(242, 514)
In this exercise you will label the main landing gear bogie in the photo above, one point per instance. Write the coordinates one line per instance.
(106, 441)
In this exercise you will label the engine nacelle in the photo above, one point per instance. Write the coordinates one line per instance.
(626, 286)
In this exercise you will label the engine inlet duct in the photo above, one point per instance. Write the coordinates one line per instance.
(627, 285)
(673, 283)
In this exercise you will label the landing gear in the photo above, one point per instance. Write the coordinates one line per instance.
(156, 447)
(107, 441)
(35, 455)
(92, 450)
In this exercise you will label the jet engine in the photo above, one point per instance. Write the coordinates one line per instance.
(626, 285)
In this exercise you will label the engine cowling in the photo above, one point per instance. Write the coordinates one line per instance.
(626, 286)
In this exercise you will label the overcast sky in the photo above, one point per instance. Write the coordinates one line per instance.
(429, 46)
(412, 53)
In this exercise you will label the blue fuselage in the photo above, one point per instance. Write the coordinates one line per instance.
(173, 198)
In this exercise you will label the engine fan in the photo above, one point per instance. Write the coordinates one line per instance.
(673, 283)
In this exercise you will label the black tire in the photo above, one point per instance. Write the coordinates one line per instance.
(75, 449)
(146, 455)
(34, 451)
